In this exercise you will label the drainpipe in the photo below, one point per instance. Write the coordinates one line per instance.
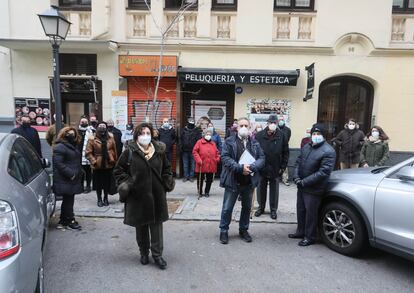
(107, 17)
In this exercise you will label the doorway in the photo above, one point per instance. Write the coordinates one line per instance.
(344, 97)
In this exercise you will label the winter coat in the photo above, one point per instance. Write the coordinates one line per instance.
(286, 130)
(189, 138)
(67, 170)
(217, 139)
(206, 156)
(94, 152)
(148, 182)
(31, 135)
(167, 136)
(314, 166)
(231, 167)
(276, 150)
(118, 139)
(84, 133)
(350, 143)
(375, 153)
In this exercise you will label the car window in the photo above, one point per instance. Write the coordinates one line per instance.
(394, 175)
(24, 163)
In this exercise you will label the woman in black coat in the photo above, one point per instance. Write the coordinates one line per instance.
(67, 174)
(144, 176)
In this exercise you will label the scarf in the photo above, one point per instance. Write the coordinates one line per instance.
(149, 152)
(105, 155)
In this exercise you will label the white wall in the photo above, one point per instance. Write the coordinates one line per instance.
(6, 85)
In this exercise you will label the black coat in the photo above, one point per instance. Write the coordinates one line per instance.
(147, 181)
(350, 143)
(286, 130)
(31, 135)
(67, 172)
(167, 136)
(118, 140)
(276, 150)
(189, 138)
(314, 166)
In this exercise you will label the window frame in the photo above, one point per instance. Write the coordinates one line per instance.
(404, 10)
(293, 6)
(225, 7)
(78, 6)
(194, 7)
(138, 6)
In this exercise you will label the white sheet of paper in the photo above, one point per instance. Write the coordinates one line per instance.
(246, 158)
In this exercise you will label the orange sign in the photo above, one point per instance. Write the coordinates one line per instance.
(147, 65)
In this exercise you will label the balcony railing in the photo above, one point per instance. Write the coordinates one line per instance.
(81, 26)
(223, 25)
(402, 30)
(185, 27)
(138, 23)
(294, 27)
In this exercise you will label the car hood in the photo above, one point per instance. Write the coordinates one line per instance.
(357, 176)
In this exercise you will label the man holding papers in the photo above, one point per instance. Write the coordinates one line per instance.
(242, 159)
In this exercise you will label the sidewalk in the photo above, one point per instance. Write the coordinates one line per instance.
(189, 207)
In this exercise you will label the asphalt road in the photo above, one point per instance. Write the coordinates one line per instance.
(104, 258)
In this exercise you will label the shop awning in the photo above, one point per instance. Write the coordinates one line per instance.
(238, 76)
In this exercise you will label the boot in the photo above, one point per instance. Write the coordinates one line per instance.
(105, 201)
(160, 262)
(100, 203)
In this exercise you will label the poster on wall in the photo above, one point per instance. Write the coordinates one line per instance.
(210, 111)
(259, 109)
(120, 109)
(38, 110)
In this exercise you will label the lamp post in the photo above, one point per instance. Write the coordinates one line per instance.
(56, 27)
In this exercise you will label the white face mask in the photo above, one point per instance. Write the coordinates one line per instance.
(272, 127)
(351, 126)
(243, 132)
(375, 134)
(207, 137)
(259, 129)
(144, 139)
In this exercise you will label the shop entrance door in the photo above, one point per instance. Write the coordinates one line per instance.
(345, 97)
(73, 111)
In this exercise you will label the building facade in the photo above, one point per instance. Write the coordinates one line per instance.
(233, 58)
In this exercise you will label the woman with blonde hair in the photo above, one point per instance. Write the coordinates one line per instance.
(67, 174)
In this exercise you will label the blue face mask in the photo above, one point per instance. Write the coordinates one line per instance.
(317, 139)
(281, 123)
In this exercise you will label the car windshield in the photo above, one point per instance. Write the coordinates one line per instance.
(379, 169)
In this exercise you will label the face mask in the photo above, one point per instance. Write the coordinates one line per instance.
(281, 123)
(110, 128)
(211, 129)
(307, 134)
(144, 139)
(101, 130)
(317, 139)
(25, 124)
(272, 127)
(375, 134)
(243, 132)
(207, 137)
(259, 129)
(84, 124)
(351, 126)
(70, 138)
(166, 125)
(129, 127)
(190, 125)
(94, 123)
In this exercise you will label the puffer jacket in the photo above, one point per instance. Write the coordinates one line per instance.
(314, 166)
(375, 153)
(231, 167)
(94, 152)
(350, 143)
(206, 156)
(189, 138)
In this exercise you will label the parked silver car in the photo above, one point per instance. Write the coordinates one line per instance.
(26, 204)
(370, 205)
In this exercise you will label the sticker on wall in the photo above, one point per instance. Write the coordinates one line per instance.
(259, 109)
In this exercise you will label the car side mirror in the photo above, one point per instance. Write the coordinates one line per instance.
(406, 173)
(45, 163)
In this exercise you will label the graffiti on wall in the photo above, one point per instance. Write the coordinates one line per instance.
(142, 109)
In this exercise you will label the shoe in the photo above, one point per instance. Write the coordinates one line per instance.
(258, 213)
(87, 189)
(74, 225)
(239, 198)
(191, 179)
(306, 242)
(144, 259)
(185, 179)
(105, 202)
(207, 195)
(160, 262)
(273, 215)
(61, 226)
(245, 235)
(295, 236)
(286, 183)
(224, 237)
(100, 203)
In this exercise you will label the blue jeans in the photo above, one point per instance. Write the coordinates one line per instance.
(230, 198)
(188, 164)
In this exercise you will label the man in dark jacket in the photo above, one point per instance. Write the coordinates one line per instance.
(232, 130)
(276, 149)
(287, 132)
(189, 136)
(167, 135)
(312, 170)
(117, 136)
(29, 133)
(239, 179)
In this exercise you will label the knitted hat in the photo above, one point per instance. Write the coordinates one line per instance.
(318, 127)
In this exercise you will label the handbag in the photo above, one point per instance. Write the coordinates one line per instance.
(124, 187)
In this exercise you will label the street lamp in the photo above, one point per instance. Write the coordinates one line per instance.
(56, 27)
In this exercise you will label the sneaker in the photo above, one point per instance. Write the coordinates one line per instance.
(245, 235)
(207, 195)
(74, 225)
(191, 179)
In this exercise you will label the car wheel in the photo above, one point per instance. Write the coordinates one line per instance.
(342, 229)
(40, 277)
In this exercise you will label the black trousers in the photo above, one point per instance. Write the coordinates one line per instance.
(66, 209)
(200, 182)
(169, 156)
(273, 193)
(307, 206)
(87, 176)
(155, 242)
(102, 181)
